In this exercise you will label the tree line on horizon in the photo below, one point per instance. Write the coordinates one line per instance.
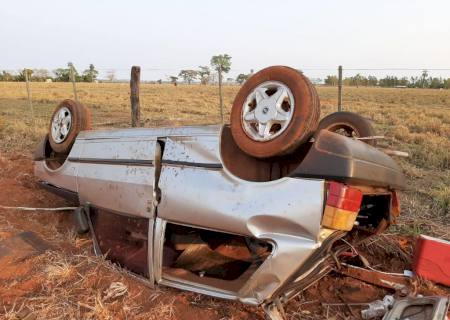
(222, 64)
(206, 74)
(422, 81)
(58, 75)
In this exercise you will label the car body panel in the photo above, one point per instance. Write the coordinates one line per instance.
(289, 218)
(117, 174)
(63, 177)
(176, 175)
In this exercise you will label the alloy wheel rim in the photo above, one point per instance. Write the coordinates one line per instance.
(267, 111)
(61, 125)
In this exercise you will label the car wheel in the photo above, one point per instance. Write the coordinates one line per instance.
(276, 110)
(80, 220)
(68, 119)
(349, 124)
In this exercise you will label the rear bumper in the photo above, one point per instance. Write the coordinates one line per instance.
(338, 158)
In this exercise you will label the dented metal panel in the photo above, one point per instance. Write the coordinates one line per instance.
(290, 218)
(117, 175)
(193, 151)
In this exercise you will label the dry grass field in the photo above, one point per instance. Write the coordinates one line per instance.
(72, 282)
(413, 120)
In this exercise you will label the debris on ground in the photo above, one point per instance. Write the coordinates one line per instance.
(432, 259)
(378, 308)
(115, 290)
(420, 308)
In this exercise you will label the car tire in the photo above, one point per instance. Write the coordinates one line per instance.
(349, 124)
(69, 118)
(275, 111)
(80, 221)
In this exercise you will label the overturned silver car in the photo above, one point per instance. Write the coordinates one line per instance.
(198, 208)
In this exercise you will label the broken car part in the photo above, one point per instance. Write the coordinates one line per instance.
(378, 308)
(432, 259)
(424, 308)
(399, 283)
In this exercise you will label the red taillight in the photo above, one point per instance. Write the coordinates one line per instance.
(344, 197)
(342, 206)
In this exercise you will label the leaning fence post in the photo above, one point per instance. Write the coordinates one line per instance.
(134, 96)
(340, 88)
(72, 78)
(220, 94)
(25, 71)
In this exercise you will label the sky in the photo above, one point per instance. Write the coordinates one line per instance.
(165, 36)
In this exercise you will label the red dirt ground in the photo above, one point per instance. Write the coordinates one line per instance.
(70, 282)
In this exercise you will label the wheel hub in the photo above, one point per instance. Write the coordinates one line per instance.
(264, 114)
(267, 111)
(61, 124)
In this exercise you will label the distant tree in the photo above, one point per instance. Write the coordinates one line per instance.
(413, 82)
(111, 75)
(21, 75)
(222, 64)
(423, 79)
(403, 81)
(242, 77)
(40, 75)
(331, 80)
(62, 74)
(90, 75)
(436, 83)
(188, 75)
(159, 81)
(173, 80)
(446, 84)
(359, 80)
(372, 81)
(204, 74)
(6, 76)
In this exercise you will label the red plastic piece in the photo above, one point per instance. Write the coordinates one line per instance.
(432, 259)
(344, 197)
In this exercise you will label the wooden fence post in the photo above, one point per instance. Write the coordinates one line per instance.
(220, 93)
(29, 93)
(72, 78)
(134, 96)
(340, 88)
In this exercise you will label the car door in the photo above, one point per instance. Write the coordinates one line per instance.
(117, 178)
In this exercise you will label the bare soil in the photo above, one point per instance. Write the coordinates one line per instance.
(69, 282)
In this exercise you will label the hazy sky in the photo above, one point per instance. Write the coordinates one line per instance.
(171, 35)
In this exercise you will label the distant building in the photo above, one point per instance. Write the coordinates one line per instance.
(48, 80)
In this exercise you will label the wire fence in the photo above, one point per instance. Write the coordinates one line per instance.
(166, 104)
(155, 73)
